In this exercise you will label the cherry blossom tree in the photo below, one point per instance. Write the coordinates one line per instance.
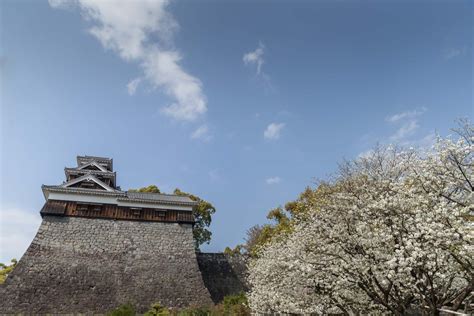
(393, 234)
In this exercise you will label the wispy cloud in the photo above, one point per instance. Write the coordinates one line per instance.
(132, 86)
(201, 133)
(273, 130)
(255, 57)
(454, 52)
(407, 124)
(406, 132)
(17, 229)
(273, 180)
(407, 129)
(406, 115)
(142, 32)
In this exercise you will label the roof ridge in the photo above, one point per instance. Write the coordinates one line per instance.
(94, 157)
(88, 176)
(168, 194)
(87, 170)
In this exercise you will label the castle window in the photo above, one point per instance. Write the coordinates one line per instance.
(136, 211)
(96, 208)
(82, 207)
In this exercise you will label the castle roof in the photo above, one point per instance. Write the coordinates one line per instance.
(93, 181)
(122, 196)
(159, 197)
(104, 161)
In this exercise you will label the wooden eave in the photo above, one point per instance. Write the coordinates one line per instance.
(115, 212)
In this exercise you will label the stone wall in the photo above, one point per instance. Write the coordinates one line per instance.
(82, 265)
(223, 274)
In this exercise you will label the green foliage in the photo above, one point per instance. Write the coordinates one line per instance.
(197, 311)
(123, 310)
(203, 217)
(282, 220)
(236, 305)
(232, 305)
(149, 189)
(232, 252)
(6, 269)
(157, 310)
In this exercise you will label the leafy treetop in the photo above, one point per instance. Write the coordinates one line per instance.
(6, 269)
(149, 189)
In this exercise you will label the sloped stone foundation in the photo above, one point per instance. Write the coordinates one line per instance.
(84, 265)
(223, 274)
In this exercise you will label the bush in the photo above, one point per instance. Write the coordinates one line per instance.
(197, 311)
(123, 310)
(231, 305)
(236, 305)
(157, 310)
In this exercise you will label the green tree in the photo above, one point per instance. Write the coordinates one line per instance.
(236, 305)
(157, 310)
(203, 217)
(202, 214)
(149, 189)
(282, 219)
(6, 269)
(123, 310)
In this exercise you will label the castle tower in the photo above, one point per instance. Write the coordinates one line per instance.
(99, 247)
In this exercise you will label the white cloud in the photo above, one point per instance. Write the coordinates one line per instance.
(17, 229)
(273, 180)
(255, 57)
(406, 115)
(408, 124)
(163, 70)
(406, 130)
(273, 131)
(406, 134)
(142, 32)
(132, 86)
(202, 133)
(59, 3)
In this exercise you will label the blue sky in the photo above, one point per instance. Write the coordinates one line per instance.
(244, 103)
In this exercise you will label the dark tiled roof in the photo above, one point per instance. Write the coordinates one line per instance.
(94, 158)
(158, 197)
(99, 172)
(126, 196)
(60, 188)
(81, 160)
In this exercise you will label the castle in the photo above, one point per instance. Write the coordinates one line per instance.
(99, 247)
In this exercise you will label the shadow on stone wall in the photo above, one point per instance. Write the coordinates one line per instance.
(223, 274)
